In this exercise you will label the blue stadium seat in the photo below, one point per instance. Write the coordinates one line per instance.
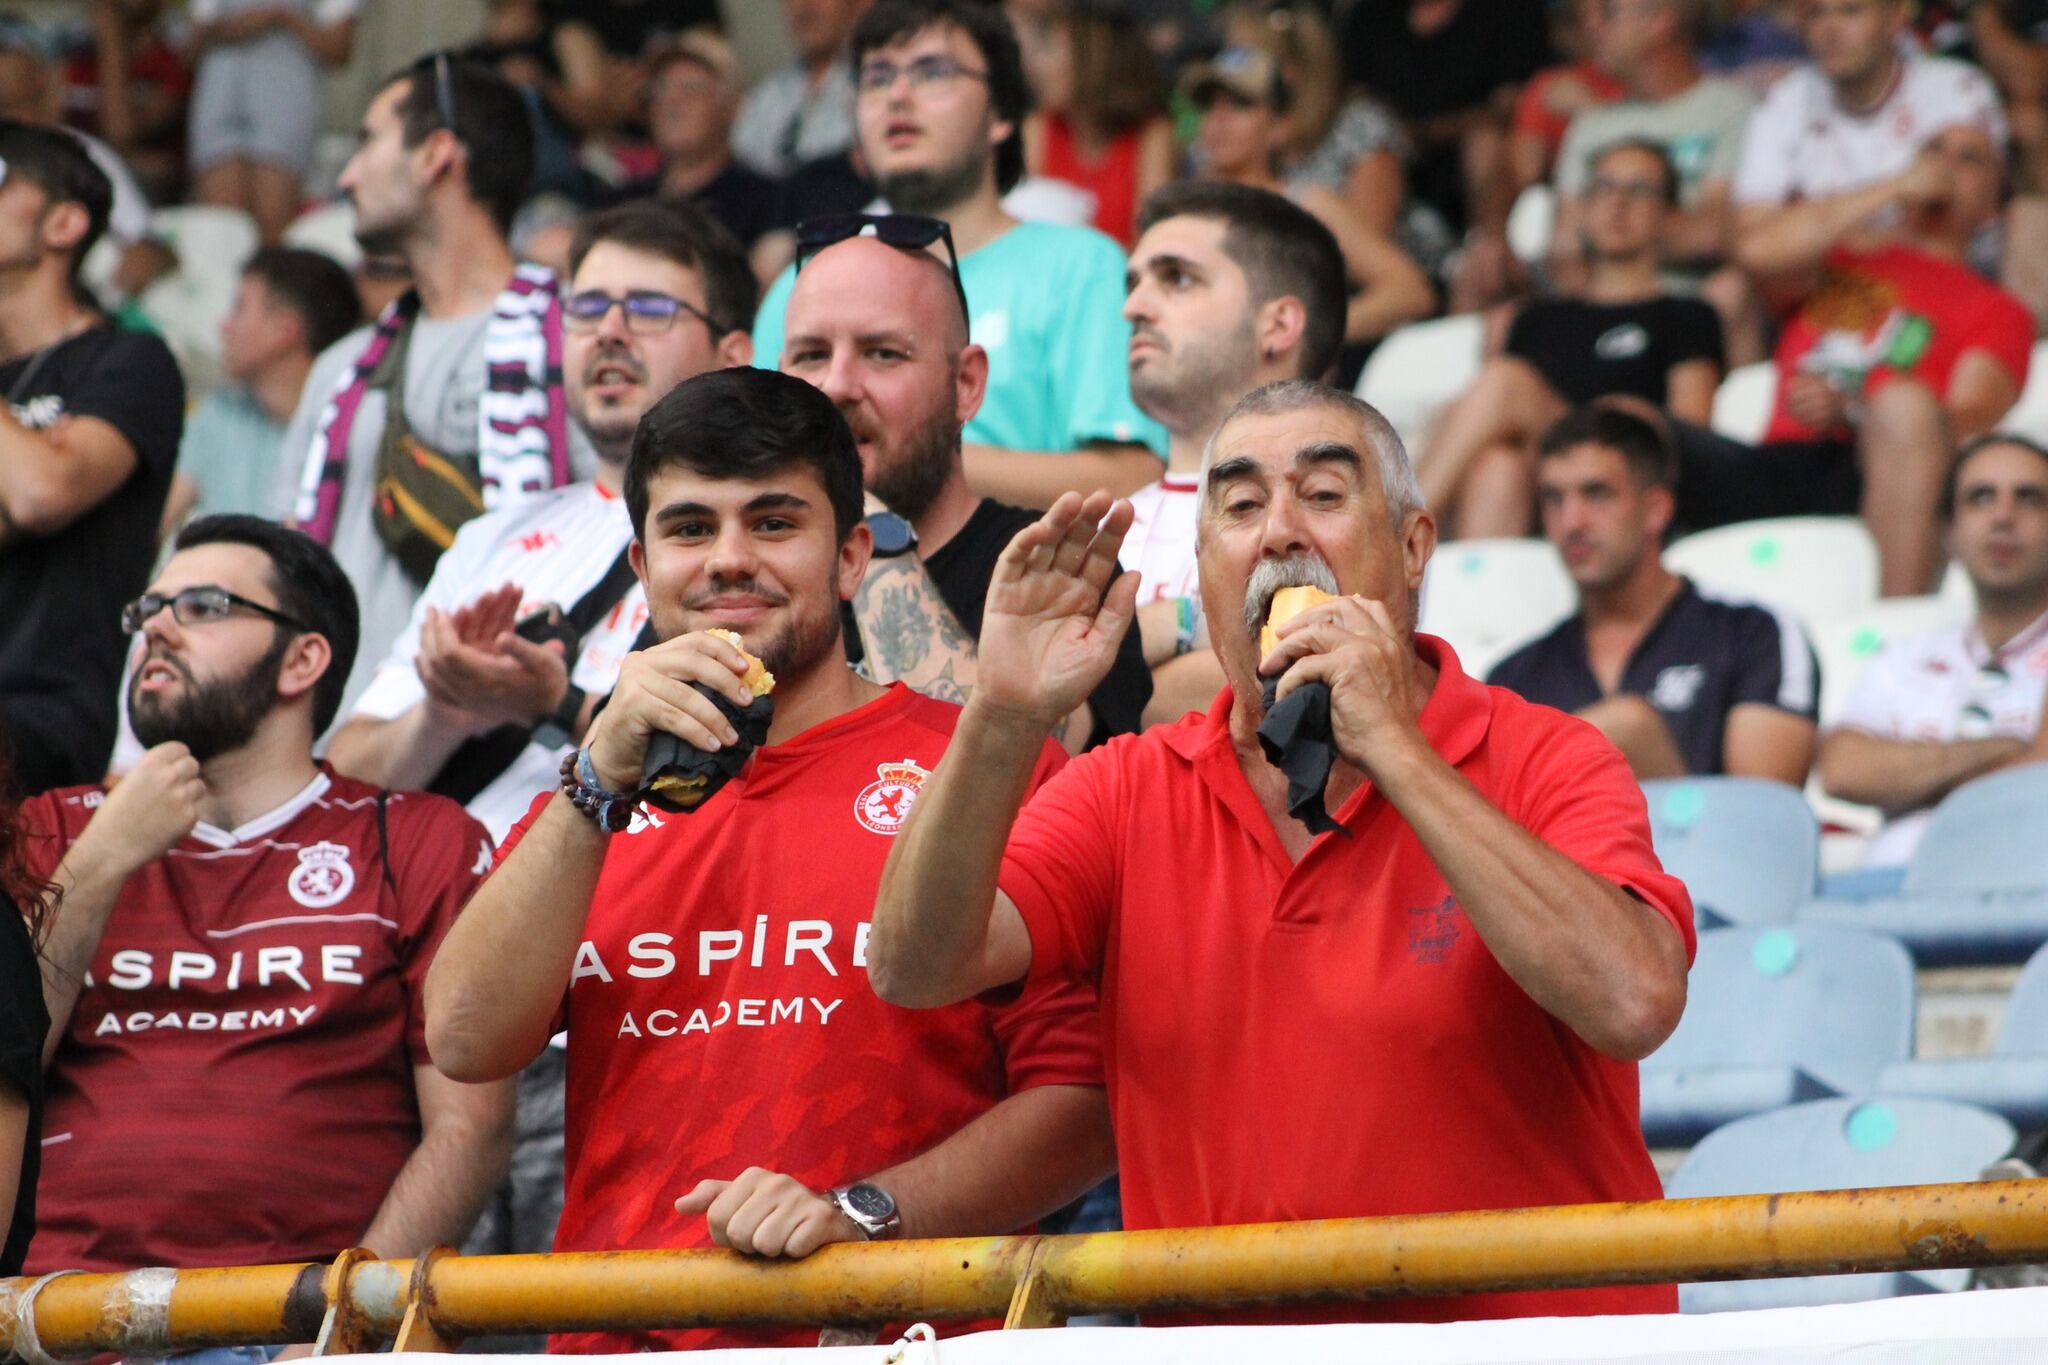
(1775, 1015)
(1747, 849)
(2013, 1080)
(1837, 1144)
(1977, 889)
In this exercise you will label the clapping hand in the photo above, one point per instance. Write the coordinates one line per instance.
(1057, 609)
(475, 665)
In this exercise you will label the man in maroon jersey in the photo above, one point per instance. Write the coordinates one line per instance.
(708, 965)
(236, 1065)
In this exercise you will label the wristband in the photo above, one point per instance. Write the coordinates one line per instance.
(610, 811)
(1184, 626)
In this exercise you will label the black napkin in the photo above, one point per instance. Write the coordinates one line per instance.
(667, 754)
(1296, 738)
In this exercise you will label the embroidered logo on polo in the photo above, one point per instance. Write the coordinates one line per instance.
(323, 876)
(884, 804)
(1433, 930)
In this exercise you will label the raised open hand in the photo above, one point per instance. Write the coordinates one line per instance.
(1057, 609)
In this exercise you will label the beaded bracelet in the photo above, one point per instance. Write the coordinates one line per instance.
(610, 811)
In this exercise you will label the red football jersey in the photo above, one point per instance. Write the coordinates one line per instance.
(1877, 315)
(235, 1086)
(720, 1015)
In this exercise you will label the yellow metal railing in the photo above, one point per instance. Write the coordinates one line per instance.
(429, 1304)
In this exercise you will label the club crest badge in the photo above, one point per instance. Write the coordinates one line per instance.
(323, 876)
(884, 804)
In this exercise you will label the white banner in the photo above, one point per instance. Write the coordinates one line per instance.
(1990, 1327)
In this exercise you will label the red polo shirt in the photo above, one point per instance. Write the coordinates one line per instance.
(1332, 1038)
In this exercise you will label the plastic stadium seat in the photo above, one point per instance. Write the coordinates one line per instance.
(330, 230)
(1977, 888)
(1742, 403)
(2013, 1080)
(1819, 567)
(1419, 369)
(1773, 1016)
(1530, 223)
(1747, 849)
(1846, 643)
(187, 305)
(2029, 415)
(1837, 1144)
(1488, 597)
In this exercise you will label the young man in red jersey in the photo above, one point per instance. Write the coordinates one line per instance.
(233, 973)
(708, 965)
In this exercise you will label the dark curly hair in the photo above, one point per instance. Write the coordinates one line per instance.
(32, 896)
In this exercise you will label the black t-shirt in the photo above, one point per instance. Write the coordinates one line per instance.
(961, 570)
(1486, 45)
(24, 1023)
(1703, 658)
(1589, 350)
(628, 27)
(745, 201)
(61, 646)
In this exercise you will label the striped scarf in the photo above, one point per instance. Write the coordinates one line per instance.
(522, 424)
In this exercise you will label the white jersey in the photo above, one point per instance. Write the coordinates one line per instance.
(1801, 144)
(1940, 686)
(1161, 543)
(556, 547)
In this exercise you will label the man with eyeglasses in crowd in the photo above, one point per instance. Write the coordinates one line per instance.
(234, 969)
(1935, 710)
(450, 404)
(470, 705)
(941, 98)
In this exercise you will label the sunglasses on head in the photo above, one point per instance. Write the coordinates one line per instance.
(444, 91)
(904, 231)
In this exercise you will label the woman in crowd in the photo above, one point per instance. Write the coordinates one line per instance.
(24, 1024)
(1101, 120)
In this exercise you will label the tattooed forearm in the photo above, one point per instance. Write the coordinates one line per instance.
(909, 635)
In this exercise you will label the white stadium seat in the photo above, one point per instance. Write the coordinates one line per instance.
(1419, 369)
(1530, 223)
(1819, 567)
(1742, 405)
(1489, 596)
(2029, 416)
(330, 230)
(187, 306)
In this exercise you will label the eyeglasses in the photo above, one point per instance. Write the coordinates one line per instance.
(444, 92)
(924, 73)
(647, 312)
(1628, 189)
(904, 231)
(197, 607)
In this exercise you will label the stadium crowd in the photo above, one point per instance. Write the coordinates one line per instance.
(984, 373)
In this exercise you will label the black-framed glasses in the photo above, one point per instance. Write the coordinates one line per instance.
(923, 72)
(904, 231)
(444, 92)
(197, 607)
(648, 311)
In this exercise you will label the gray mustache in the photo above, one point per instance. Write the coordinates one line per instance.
(1271, 575)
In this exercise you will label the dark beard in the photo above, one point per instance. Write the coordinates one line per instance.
(918, 474)
(936, 192)
(212, 718)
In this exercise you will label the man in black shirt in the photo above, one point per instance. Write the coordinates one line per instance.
(88, 436)
(1621, 335)
(881, 330)
(1681, 680)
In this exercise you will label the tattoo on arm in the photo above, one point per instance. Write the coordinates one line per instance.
(909, 635)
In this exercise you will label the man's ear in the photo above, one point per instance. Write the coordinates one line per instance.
(734, 349)
(65, 225)
(306, 661)
(854, 553)
(438, 152)
(1660, 505)
(970, 383)
(1278, 326)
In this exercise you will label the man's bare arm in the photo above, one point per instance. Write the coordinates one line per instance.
(49, 479)
(407, 751)
(1763, 741)
(1029, 1155)
(465, 1143)
(1787, 239)
(1901, 774)
(1036, 478)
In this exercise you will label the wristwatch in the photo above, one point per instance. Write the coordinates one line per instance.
(559, 728)
(870, 1209)
(894, 537)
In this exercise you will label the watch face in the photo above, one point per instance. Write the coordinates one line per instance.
(892, 533)
(871, 1201)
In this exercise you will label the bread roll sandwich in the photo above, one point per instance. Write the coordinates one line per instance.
(681, 777)
(1287, 604)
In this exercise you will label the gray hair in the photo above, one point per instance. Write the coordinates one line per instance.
(1397, 473)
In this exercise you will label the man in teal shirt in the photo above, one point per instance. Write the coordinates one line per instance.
(940, 100)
